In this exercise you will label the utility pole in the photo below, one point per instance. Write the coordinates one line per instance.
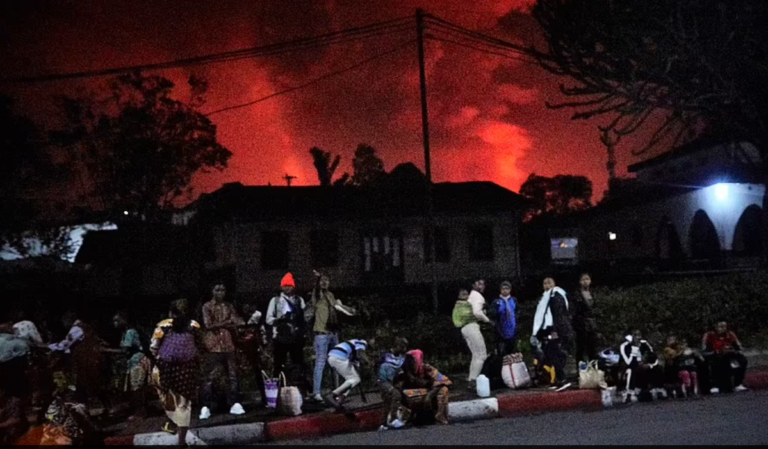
(427, 159)
(288, 179)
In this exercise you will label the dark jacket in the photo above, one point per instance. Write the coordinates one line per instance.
(561, 316)
(583, 313)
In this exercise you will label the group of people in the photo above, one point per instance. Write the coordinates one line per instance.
(184, 358)
(564, 323)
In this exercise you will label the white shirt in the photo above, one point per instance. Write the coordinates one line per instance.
(477, 302)
(28, 331)
(279, 307)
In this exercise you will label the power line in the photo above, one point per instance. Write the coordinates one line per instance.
(472, 47)
(470, 33)
(314, 81)
(362, 32)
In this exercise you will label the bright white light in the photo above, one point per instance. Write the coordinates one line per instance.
(721, 191)
(125, 212)
(612, 236)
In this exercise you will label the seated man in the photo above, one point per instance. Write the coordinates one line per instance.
(390, 366)
(423, 384)
(722, 351)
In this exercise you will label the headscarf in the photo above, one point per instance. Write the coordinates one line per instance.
(418, 357)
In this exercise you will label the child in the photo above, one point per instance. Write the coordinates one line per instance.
(681, 365)
(506, 324)
(345, 358)
(390, 366)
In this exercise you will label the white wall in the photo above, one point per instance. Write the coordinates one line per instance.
(723, 203)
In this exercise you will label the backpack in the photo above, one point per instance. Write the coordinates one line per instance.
(178, 348)
(462, 314)
(291, 325)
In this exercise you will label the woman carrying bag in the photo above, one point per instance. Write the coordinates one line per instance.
(175, 346)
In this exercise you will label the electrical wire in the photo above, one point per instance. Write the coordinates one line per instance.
(489, 39)
(432, 36)
(315, 80)
(376, 29)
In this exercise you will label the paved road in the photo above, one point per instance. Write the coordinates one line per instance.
(729, 419)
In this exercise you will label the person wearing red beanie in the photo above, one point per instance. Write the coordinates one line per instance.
(286, 315)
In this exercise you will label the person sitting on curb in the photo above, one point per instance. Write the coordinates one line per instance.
(641, 368)
(391, 363)
(722, 351)
(346, 358)
(422, 383)
(681, 366)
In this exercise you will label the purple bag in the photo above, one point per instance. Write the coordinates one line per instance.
(178, 348)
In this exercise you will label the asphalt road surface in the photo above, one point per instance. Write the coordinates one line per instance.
(739, 418)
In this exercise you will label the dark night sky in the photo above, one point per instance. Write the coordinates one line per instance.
(488, 117)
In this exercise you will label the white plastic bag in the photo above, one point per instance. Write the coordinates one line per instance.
(289, 401)
(514, 372)
(483, 386)
(591, 378)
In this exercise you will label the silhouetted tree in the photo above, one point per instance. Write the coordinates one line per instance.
(689, 64)
(139, 147)
(324, 166)
(27, 172)
(556, 196)
(368, 167)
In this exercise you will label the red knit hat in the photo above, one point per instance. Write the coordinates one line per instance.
(287, 281)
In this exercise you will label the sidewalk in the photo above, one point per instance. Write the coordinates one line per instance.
(260, 425)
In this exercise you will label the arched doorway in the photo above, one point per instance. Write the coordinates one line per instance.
(702, 238)
(668, 246)
(747, 238)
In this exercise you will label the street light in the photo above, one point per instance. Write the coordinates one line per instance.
(721, 191)
(611, 236)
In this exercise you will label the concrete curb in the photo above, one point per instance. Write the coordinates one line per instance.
(235, 434)
(328, 423)
(472, 410)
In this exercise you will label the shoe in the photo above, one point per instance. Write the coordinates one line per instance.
(205, 413)
(441, 418)
(383, 428)
(169, 427)
(633, 398)
(237, 409)
(714, 391)
(331, 400)
(318, 398)
(664, 393)
(740, 388)
(563, 387)
(396, 424)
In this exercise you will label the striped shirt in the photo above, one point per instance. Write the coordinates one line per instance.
(348, 349)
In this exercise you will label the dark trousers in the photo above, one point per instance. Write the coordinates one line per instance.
(216, 362)
(723, 375)
(556, 356)
(586, 345)
(253, 352)
(296, 351)
(506, 346)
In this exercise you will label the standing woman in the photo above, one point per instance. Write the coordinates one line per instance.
(175, 345)
(584, 323)
(138, 366)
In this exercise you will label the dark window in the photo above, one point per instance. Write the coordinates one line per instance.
(442, 246)
(481, 242)
(324, 248)
(274, 250)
